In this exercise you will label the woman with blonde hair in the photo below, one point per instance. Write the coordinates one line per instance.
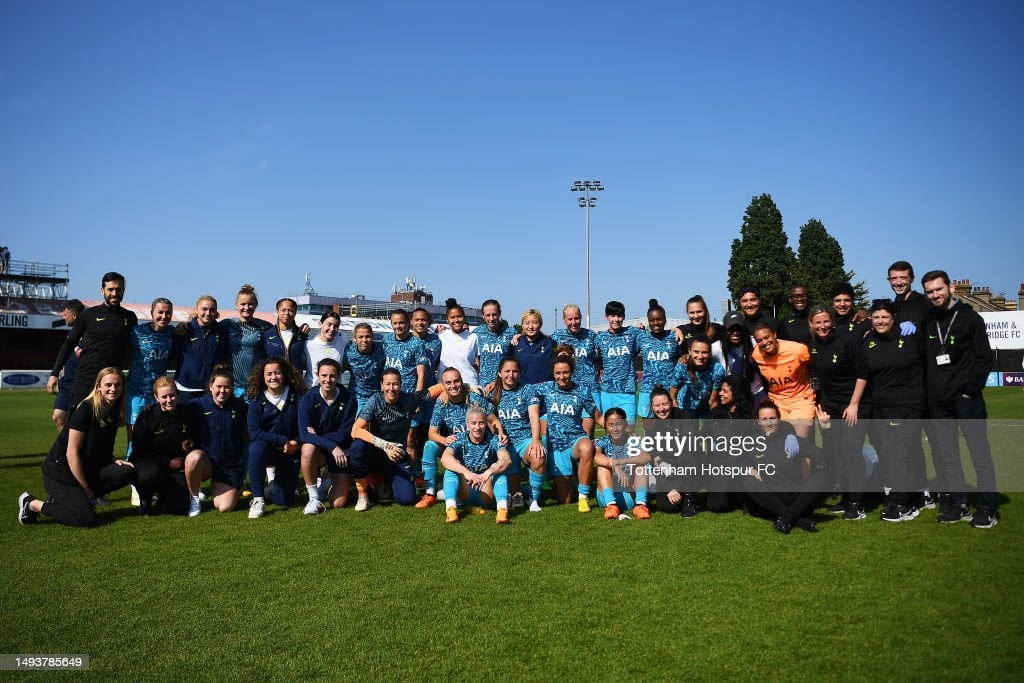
(205, 347)
(534, 350)
(80, 466)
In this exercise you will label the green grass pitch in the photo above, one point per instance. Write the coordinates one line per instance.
(396, 594)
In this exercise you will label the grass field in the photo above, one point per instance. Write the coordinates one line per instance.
(395, 594)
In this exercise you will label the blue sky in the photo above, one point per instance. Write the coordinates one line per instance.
(195, 146)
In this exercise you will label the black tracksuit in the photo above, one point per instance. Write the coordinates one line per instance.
(838, 363)
(955, 398)
(896, 375)
(68, 502)
(781, 491)
(796, 327)
(105, 334)
(158, 438)
(914, 308)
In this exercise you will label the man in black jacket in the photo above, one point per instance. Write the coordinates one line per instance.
(958, 359)
(107, 329)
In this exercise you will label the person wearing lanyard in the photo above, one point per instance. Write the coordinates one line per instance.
(958, 356)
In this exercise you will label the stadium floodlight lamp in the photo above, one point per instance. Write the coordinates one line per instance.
(587, 202)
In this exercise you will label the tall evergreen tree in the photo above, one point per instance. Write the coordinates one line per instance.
(761, 256)
(819, 261)
(820, 265)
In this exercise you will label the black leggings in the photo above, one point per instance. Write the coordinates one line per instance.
(155, 478)
(786, 504)
(68, 503)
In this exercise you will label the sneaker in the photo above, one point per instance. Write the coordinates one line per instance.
(25, 514)
(689, 508)
(102, 501)
(145, 508)
(194, 506)
(362, 503)
(136, 500)
(256, 508)
(838, 509)
(955, 513)
(927, 502)
(640, 511)
(945, 502)
(428, 500)
(502, 516)
(854, 511)
(535, 506)
(202, 496)
(583, 505)
(451, 515)
(782, 525)
(516, 500)
(899, 513)
(611, 511)
(984, 519)
(313, 507)
(806, 523)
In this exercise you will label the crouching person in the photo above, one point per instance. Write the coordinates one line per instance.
(80, 466)
(219, 445)
(475, 467)
(326, 416)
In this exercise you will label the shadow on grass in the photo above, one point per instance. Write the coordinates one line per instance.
(29, 460)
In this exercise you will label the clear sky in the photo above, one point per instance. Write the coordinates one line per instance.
(195, 146)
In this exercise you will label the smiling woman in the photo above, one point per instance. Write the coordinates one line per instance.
(80, 466)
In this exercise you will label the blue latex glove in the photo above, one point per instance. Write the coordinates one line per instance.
(792, 446)
(907, 328)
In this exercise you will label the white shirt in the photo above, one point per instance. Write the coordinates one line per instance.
(460, 351)
(317, 349)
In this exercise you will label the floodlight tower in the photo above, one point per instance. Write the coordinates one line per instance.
(586, 201)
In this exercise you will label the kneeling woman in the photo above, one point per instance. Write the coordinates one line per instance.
(775, 483)
(326, 416)
(80, 466)
(379, 438)
(617, 469)
(219, 444)
(569, 408)
(274, 389)
(161, 441)
(475, 469)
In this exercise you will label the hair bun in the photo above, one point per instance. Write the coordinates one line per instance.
(450, 301)
(652, 303)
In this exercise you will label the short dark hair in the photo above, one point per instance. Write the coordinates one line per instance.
(73, 305)
(112, 276)
(883, 305)
(748, 288)
(935, 275)
(842, 288)
(902, 265)
(615, 308)
(328, 361)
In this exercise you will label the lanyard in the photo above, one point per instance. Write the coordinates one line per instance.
(944, 337)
